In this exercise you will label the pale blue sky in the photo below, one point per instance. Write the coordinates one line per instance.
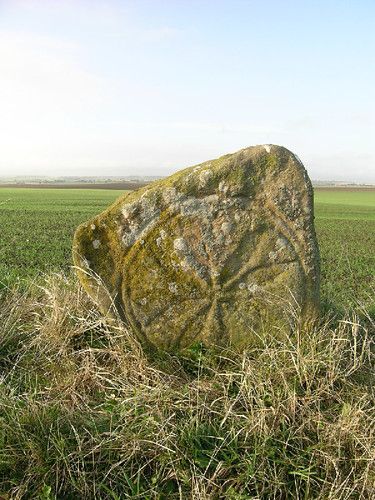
(147, 87)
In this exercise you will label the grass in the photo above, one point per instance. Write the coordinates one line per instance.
(37, 226)
(345, 223)
(348, 197)
(84, 414)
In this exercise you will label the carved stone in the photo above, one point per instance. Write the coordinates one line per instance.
(215, 253)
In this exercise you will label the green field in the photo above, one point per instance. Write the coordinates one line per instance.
(84, 414)
(345, 224)
(37, 226)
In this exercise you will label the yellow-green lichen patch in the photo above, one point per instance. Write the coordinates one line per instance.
(210, 254)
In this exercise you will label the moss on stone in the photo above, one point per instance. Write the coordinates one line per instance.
(170, 255)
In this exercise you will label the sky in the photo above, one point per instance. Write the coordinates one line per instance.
(148, 87)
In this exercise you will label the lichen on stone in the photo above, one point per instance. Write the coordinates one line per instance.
(208, 254)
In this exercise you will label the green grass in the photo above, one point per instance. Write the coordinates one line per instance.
(84, 414)
(362, 197)
(345, 224)
(356, 204)
(37, 227)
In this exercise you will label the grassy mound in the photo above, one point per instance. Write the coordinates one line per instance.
(83, 413)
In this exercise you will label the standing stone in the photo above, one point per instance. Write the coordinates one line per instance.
(214, 253)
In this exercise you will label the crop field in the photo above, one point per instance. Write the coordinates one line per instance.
(345, 224)
(37, 226)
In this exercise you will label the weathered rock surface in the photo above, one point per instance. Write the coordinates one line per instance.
(212, 253)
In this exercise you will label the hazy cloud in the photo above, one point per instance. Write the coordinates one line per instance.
(148, 87)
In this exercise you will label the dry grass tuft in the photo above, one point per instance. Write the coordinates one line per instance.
(84, 414)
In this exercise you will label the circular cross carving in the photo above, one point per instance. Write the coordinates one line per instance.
(208, 277)
(217, 253)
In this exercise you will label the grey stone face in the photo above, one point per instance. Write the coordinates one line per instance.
(213, 253)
